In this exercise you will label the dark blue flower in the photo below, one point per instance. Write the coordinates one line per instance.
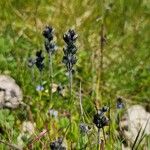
(70, 36)
(39, 60)
(120, 104)
(48, 33)
(50, 46)
(69, 58)
(100, 120)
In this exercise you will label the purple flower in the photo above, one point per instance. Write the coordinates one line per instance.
(39, 88)
(120, 104)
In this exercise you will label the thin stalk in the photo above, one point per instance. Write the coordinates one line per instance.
(109, 116)
(70, 83)
(136, 139)
(102, 145)
(40, 93)
(51, 75)
(70, 92)
(142, 136)
(40, 79)
(101, 49)
(70, 102)
(50, 84)
(98, 139)
(101, 59)
(32, 74)
(104, 135)
(80, 98)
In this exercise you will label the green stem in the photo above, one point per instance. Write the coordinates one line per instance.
(51, 75)
(50, 84)
(32, 74)
(70, 89)
(40, 92)
(70, 102)
(70, 84)
(81, 108)
(98, 139)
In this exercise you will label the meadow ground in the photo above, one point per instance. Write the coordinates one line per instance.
(61, 97)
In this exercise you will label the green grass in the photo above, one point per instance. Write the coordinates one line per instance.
(126, 65)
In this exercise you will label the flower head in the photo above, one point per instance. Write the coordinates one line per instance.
(39, 88)
(48, 33)
(39, 60)
(100, 120)
(50, 46)
(70, 36)
(120, 104)
(57, 145)
(69, 58)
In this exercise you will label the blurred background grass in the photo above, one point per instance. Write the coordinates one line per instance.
(126, 53)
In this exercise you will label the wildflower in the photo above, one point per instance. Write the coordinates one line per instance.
(70, 37)
(48, 33)
(100, 120)
(57, 145)
(39, 88)
(120, 104)
(39, 60)
(49, 44)
(69, 58)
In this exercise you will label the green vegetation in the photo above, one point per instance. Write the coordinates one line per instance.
(113, 59)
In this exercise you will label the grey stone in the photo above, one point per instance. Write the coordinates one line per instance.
(135, 118)
(10, 93)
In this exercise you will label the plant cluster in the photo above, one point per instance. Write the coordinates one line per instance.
(69, 59)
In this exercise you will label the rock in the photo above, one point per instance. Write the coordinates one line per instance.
(133, 120)
(27, 130)
(29, 127)
(10, 93)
